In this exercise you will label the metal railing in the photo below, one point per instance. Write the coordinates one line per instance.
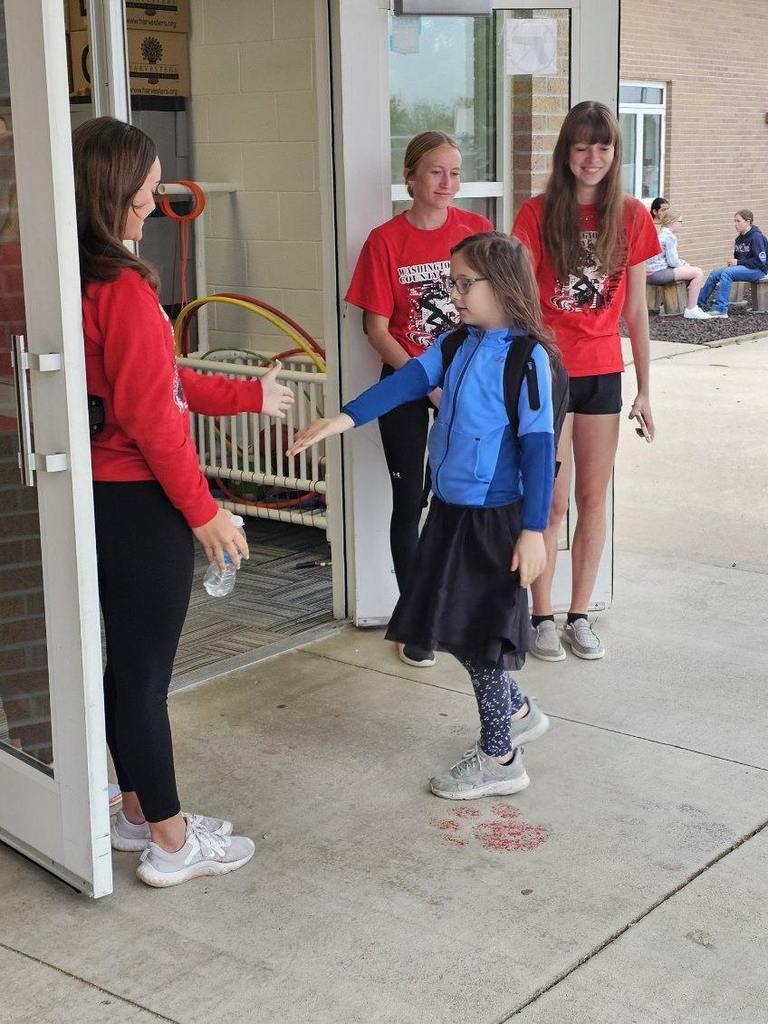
(250, 449)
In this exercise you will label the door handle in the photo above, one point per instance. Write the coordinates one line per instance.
(29, 461)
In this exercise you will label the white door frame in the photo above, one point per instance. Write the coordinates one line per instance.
(360, 71)
(59, 821)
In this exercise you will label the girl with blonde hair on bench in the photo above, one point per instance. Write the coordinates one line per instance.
(667, 266)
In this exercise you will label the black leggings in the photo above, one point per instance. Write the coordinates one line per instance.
(404, 438)
(146, 559)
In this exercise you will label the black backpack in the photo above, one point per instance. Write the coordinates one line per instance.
(518, 366)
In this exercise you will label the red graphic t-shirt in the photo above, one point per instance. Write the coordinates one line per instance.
(583, 312)
(401, 275)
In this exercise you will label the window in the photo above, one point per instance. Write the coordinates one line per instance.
(642, 118)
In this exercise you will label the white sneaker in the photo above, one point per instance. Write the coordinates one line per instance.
(203, 853)
(130, 838)
(696, 313)
(715, 314)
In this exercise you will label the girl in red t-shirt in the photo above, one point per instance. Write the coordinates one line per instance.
(589, 244)
(399, 281)
(150, 498)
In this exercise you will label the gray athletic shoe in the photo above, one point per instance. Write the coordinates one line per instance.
(130, 838)
(585, 643)
(477, 774)
(204, 853)
(545, 643)
(530, 727)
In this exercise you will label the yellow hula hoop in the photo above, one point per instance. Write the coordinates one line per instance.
(276, 321)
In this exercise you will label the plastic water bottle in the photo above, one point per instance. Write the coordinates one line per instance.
(216, 582)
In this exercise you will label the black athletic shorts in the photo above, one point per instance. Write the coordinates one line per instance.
(596, 395)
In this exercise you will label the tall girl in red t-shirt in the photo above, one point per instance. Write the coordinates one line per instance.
(150, 497)
(589, 243)
(399, 282)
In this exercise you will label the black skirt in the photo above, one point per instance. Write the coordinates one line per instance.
(462, 597)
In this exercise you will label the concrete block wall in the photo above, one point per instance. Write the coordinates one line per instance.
(714, 63)
(254, 122)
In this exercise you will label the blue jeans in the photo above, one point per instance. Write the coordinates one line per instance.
(724, 278)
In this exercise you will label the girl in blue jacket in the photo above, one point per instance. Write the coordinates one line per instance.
(482, 544)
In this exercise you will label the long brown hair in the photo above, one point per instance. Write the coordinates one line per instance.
(112, 160)
(593, 123)
(418, 147)
(506, 265)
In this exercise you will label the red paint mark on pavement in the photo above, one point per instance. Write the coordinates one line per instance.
(504, 836)
(501, 832)
(446, 827)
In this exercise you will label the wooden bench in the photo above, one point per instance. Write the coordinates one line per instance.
(667, 299)
(759, 294)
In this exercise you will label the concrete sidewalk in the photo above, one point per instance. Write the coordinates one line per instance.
(627, 884)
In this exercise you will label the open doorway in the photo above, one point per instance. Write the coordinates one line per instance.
(236, 98)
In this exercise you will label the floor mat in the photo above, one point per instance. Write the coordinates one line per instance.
(272, 599)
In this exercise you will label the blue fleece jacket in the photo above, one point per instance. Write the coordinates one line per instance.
(751, 250)
(474, 459)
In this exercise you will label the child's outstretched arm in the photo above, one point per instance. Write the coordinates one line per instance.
(319, 431)
(415, 379)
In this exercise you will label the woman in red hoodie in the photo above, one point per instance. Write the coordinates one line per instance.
(150, 498)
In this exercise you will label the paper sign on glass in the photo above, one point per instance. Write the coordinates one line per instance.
(530, 46)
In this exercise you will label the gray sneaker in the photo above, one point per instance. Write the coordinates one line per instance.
(530, 727)
(545, 643)
(130, 838)
(585, 643)
(204, 853)
(477, 774)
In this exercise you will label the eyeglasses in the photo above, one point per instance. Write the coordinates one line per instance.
(462, 284)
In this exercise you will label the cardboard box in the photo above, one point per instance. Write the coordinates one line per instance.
(158, 63)
(162, 16)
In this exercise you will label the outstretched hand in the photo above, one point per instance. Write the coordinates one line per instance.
(276, 398)
(318, 431)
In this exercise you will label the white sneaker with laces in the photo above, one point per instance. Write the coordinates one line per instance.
(130, 838)
(204, 853)
(696, 313)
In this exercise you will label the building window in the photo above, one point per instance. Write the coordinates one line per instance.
(642, 117)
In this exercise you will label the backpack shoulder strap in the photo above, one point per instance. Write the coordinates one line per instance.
(451, 346)
(519, 365)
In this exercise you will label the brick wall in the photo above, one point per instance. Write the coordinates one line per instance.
(539, 105)
(25, 713)
(714, 63)
(254, 122)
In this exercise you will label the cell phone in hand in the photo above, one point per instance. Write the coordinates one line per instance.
(642, 430)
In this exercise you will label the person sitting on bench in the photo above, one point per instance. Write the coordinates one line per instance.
(749, 263)
(667, 267)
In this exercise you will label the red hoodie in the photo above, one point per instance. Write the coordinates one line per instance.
(130, 363)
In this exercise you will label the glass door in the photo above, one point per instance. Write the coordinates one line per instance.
(501, 85)
(53, 780)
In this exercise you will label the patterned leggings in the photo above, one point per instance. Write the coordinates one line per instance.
(498, 698)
